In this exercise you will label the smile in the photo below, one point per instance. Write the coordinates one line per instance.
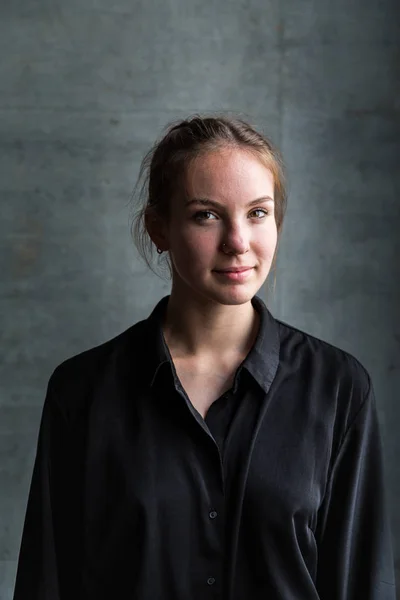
(235, 275)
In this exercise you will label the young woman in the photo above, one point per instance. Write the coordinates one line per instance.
(211, 450)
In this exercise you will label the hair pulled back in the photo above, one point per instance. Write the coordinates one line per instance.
(165, 165)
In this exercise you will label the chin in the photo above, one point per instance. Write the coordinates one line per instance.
(238, 296)
(231, 294)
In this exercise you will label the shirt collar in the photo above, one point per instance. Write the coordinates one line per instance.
(261, 362)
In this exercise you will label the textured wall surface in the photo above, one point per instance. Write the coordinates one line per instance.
(87, 86)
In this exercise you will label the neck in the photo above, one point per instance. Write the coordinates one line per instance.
(209, 331)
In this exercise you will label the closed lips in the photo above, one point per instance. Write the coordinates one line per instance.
(233, 270)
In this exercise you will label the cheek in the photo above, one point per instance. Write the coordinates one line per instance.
(194, 249)
(266, 243)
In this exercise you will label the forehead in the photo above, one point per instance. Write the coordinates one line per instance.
(228, 170)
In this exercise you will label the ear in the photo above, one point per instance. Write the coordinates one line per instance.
(156, 229)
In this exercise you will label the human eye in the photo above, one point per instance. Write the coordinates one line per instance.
(199, 215)
(263, 211)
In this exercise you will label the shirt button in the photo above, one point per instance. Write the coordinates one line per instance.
(213, 514)
(210, 580)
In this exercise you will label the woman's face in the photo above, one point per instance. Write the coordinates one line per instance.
(231, 179)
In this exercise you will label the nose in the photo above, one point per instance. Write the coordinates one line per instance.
(235, 243)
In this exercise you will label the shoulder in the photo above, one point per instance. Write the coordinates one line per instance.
(73, 379)
(327, 367)
(92, 359)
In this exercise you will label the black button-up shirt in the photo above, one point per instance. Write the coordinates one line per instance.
(278, 493)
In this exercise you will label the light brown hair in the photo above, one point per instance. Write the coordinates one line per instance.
(166, 162)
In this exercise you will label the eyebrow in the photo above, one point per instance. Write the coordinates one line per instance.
(209, 202)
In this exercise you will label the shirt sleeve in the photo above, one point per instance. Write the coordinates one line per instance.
(49, 550)
(355, 558)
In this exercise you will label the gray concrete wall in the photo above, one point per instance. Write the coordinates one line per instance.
(86, 87)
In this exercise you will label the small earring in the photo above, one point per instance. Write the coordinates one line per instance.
(159, 251)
